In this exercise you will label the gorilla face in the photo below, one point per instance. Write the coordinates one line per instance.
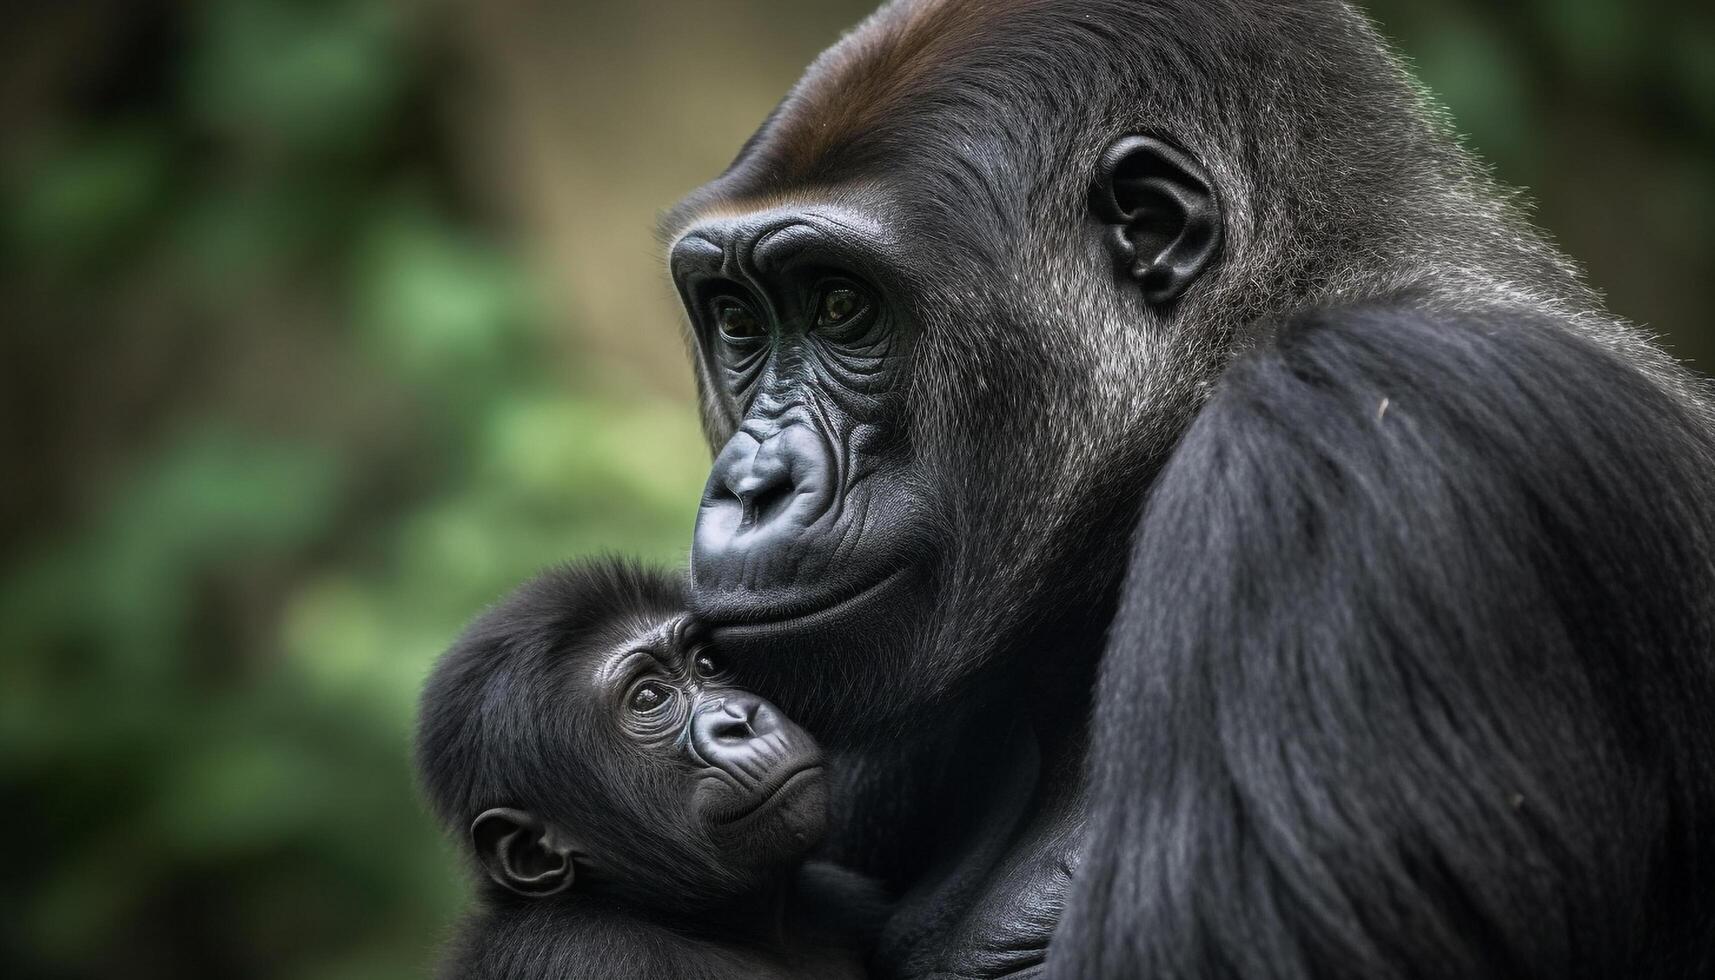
(813, 525)
(694, 758)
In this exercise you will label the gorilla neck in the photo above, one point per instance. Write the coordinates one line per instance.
(1006, 751)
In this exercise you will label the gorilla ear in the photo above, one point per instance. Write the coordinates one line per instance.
(1163, 220)
(521, 853)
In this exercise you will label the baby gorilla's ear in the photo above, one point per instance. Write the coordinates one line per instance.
(521, 853)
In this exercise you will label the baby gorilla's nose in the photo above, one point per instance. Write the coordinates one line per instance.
(732, 723)
(729, 723)
(761, 754)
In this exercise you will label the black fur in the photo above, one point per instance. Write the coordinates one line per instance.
(1413, 673)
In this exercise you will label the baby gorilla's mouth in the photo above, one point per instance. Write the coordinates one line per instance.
(779, 787)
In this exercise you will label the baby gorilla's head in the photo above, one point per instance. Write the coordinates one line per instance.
(580, 731)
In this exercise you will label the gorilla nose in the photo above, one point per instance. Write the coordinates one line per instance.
(764, 489)
(731, 724)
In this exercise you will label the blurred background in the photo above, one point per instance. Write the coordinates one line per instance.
(322, 323)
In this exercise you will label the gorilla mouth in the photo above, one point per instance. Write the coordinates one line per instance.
(775, 790)
(807, 612)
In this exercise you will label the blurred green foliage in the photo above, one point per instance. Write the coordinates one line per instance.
(224, 586)
(289, 396)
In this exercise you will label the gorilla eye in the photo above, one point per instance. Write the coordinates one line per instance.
(841, 305)
(650, 696)
(736, 320)
(706, 666)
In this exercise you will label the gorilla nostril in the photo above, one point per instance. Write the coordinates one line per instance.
(732, 723)
(737, 729)
(763, 489)
(761, 504)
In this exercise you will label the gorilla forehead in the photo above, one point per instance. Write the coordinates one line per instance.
(991, 114)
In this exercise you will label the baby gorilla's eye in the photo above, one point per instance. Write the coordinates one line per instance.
(706, 666)
(841, 304)
(650, 696)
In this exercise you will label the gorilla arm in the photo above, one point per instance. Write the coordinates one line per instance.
(1413, 674)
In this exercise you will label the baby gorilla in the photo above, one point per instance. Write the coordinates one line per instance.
(636, 814)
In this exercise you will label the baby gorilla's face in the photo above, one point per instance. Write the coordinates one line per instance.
(595, 746)
(747, 777)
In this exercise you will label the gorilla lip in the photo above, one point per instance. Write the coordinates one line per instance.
(763, 801)
(736, 618)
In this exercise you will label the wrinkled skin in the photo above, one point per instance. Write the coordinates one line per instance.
(808, 506)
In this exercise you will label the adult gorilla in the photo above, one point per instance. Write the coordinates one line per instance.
(1408, 666)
